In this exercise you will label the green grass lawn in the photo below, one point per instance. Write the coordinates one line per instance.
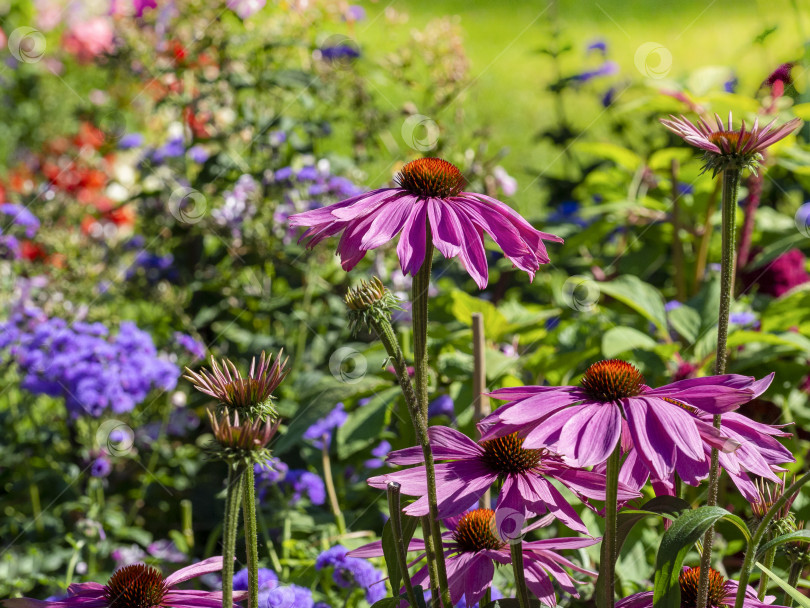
(509, 76)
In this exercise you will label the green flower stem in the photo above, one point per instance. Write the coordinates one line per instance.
(516, 548)
(251, 536)
(759, 534)
(187, 519)
(731, 187)
(394, 509)
(607, 562)
(793, 579)
(329, 482)
(385, 332)
(419, 300)
(770, 556)
(230, 527)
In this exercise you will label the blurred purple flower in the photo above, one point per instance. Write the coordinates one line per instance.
(21, 216)
(101, 467)
(320, 433)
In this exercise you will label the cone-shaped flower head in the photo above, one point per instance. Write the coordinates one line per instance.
(244, 441)
(251, 394)
(428, 206)
(722, 593)
(138, 586)
(723, 146)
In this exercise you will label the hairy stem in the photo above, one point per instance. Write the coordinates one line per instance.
(516, 549)
(251, 536)
(419, 299)
(770, 556)
(731, 187)
(793, 579)
(230, 527)
(607, 562)
(385, 332)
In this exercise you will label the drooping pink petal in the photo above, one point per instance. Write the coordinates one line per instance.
(655, 448)
(445, 228)
(679, 424)
(412, 241)
(212, 564)
(388, 222)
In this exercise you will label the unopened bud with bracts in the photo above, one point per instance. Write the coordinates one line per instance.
(769, 493)
(242, 441)
(369, 303)
(250, 395)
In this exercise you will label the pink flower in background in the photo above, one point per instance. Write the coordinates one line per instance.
(246, 8)
(88, 39)
(430, 194)
(781, 275)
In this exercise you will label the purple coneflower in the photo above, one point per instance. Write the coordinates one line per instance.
(722, 593)
(429, 195)
(474, 545)
(585, 423)
(725, 147)
(474, 467)
(138, 585)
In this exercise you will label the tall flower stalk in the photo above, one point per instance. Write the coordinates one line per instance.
(728, 152)
(241, 445)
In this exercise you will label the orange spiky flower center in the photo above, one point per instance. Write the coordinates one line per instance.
(430, 177)
(730, 141)
(477, 531)
(718, 588)
(136, 586)
(611, 380)
(507, 455)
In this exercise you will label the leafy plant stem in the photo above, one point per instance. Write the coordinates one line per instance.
(607, 591)
(230, 526)
(251, 536)
(731, 187)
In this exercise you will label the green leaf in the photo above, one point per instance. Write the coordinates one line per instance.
(618, 340)
(463, 305)
(389, 548)
(684, 532)
(387, 602)
(627, 159)
(640, 296)
(364, 423)
(803, 535)
(797, 596)
(686, 321)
